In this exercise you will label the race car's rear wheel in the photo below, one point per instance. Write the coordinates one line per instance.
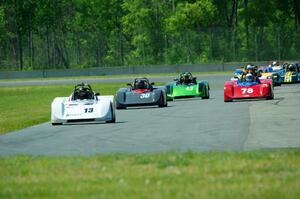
(119, 106)
(166, 104)
(277, 84)
(271, 95)
(207, 95)
(162, 102)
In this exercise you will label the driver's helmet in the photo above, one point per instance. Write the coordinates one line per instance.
(187, 77)
(285, 65)
(275, 63)
(250, 68)
(141, 84)
(249, 77)
(292, 68)
(84, 93)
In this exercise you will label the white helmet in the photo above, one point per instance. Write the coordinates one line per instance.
(249, 77)
(275, 63)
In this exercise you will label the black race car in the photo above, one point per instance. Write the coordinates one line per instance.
(141, 93)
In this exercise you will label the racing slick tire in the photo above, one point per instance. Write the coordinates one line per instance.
(207, 95)
(119, 106)
(271, 95)
(113, 120)
(277, 83)
(162, 102)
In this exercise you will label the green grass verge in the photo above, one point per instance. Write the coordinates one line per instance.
(121, 76)
(247, 175)
(23, 106)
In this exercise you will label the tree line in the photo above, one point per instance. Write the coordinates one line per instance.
(48, 34)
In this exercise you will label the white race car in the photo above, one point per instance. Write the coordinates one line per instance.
(83, 105)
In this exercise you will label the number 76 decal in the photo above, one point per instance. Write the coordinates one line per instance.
(247, 90)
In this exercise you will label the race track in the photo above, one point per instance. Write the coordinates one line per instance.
(187, 124)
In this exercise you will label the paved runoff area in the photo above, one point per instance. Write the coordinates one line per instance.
(186, 124)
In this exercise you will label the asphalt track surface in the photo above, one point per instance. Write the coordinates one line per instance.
(186, 124)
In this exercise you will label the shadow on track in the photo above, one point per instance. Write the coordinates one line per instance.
(144, 107)
(91, 123)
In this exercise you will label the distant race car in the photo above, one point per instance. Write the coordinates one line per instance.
(238, 89)
(292, 74)
(187, 86)
(141, 93)
(280, 70)
(83, 105)
(237, 74)
(267, 72)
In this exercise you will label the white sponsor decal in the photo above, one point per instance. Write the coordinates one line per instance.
(189, 88)
(145, 95)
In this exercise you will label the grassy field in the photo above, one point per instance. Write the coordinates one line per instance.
(23, 106)
(257, 174)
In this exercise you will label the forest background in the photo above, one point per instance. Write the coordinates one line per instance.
(56, 34)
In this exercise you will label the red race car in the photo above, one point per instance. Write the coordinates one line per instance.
(243, 89)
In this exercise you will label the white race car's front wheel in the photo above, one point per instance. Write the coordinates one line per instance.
(113, 115)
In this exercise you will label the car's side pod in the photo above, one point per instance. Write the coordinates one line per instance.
(228, 91)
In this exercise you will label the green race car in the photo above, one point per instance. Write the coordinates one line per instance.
(187, 86)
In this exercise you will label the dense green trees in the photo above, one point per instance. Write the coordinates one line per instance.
(95, 33)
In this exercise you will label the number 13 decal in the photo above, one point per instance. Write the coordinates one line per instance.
(247, 90)
(88, 110)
